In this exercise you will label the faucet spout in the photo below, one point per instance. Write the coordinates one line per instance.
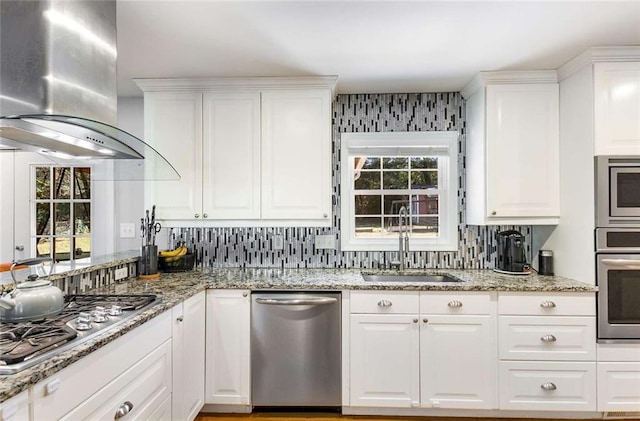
(403, 236)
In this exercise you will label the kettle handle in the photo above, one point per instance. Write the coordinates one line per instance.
(27, 262)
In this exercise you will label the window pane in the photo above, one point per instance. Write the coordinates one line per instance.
(395, 163)
(81, 214)
(424, 162)
(43, 183)
(62, 183)
(43, 247)
(368, 205)
(61, 249)
(394, 180)
(424, 205)
(82, 247)
(372, 163)
(43, 218)
(368, 181)
(82, 183)
(424, 179)
(368, 227)
(62, 223)
(393, 203)
(425, 225)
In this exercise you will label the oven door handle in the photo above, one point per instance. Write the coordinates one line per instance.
(626, 263)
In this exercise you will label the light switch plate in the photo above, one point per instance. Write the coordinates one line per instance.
(127, 230)
(278, 242)
(121, 273)
(326, 241)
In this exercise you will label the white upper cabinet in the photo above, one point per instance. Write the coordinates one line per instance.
(296, 157)
(617, 108)
(253, 151)
(172, 125)
(231, 152)
(513, 172)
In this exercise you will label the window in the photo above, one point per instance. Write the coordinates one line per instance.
(61, 212)
(383, 172)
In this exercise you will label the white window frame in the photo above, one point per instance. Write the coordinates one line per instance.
(444, 144)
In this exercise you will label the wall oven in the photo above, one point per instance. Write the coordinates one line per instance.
(617, 191)
(618, 277)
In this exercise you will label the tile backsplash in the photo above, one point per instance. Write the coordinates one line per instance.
(252, 247)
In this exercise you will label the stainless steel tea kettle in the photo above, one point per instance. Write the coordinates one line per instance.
(34, 299)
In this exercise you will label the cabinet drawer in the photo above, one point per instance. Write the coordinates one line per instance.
(619, 386)
(547, 304)
(455, 302)
(143, 389)
(569, 386)
(387, 302)
(546, 338)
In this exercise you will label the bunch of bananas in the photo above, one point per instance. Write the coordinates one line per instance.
(173, 255)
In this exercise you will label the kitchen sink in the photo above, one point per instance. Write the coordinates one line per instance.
(410, 278)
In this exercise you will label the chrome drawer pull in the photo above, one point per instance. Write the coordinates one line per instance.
(384, 303)
(548, 386)
(548, 338)
(547, 304)
(455, 304)
(415, 320)
(124, 409)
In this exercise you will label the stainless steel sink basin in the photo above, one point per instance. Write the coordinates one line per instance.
(410, 278)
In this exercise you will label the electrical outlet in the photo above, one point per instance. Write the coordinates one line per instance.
(121, 273)
(278, 242)
(326, 241)
(127, 230)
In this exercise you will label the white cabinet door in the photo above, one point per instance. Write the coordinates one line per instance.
(617, 108)
(458, 362)
(188, 357)
(227, 347)
(618, 386)
(296, 154)
(231, 152)
(173, 126)
(384, 358)
(15, 408)
(522, 153)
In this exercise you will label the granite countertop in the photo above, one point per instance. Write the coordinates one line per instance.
(177, 287)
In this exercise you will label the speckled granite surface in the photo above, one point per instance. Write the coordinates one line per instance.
(174, 288)
(473, 280)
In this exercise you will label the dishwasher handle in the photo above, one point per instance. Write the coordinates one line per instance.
(314, 301)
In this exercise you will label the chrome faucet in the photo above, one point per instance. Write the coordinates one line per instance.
(403, 239)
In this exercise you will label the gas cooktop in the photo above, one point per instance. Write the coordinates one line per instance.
(83, 317)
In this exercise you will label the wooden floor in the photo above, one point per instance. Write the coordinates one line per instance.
(274, 416)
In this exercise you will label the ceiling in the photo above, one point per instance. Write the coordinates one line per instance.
(373, 47)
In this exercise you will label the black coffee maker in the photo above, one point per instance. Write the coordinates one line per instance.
(511, 255)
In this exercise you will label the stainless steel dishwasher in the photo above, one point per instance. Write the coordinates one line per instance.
(295, 349)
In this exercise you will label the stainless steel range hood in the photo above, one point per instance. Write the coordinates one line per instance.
(58, 87)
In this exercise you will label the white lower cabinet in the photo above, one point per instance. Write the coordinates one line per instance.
(457, 357)
(385, 361)
(439, 354)
(619, 377)
(532, 385)
(228, 347)
(188, 344)
(15, 408)
(131, 374)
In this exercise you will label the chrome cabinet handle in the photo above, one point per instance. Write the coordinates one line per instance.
(455, 304)
(197, 215)
(494, 213)
(425, 320)
(179, 319)
(415, 320)
(204, 215)
(124, 409)
(324, 215)
(384, 303)
(245, 294)
(548, 338)
(548, 386)
(547, 304)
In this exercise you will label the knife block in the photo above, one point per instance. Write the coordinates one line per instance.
(148, 263)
